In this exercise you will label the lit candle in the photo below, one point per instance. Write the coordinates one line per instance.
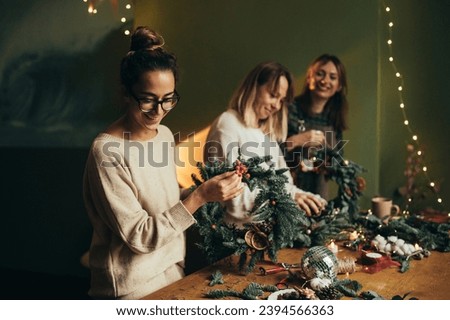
(333, 247)
(353, 235)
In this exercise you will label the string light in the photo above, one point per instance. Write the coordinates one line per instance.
(92, 9)
(400, 89)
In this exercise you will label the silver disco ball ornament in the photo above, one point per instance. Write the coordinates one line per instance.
(319, 262)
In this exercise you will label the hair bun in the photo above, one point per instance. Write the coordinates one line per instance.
(145, 39)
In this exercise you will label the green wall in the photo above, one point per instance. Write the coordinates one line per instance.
(218, 42)
(421, 51)
(58, 88)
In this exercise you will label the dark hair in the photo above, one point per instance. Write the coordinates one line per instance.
(146, 54)
(337, 106)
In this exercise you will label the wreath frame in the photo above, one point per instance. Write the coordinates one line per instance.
(281, 222)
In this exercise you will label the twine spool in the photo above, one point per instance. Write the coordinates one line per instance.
(346, 265)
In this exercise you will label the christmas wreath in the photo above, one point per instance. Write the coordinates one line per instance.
(280, 220)
(342, 212)
(281, 223)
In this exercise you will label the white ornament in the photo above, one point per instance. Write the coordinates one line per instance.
(388, 248)
(319, 283)
(406, 249)
(319, 262)
(392, 238)
(399, 251)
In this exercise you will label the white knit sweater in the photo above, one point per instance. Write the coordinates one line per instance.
(230, 135)
(133, 202)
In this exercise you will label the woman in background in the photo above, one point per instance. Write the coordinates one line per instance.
(254, 125)
(130, 187)
(317, 119)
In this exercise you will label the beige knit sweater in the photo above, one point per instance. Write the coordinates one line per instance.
(133, 202)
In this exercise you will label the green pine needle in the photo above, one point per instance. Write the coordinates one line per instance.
(216, 278)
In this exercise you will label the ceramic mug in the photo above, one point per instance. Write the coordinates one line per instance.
(383, 207)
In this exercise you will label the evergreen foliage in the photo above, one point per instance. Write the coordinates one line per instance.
(281, 223)
(280, 220)
(251, 292)
(216, 278)
(342, 212)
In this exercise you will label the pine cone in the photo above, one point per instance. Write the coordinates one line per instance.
(329, 293)
(293, 295)
(306, 294)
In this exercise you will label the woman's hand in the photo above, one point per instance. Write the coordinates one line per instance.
(310, 203)
(220, 188)
(310, 138)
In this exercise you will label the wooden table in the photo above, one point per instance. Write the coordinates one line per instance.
(427, 279)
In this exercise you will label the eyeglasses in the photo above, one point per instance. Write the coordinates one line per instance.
(147, 105)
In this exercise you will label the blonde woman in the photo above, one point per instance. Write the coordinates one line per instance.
(254, 125)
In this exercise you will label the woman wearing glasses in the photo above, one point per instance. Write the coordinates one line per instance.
(130, 187)
(254, 125)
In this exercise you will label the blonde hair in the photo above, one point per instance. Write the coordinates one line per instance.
(244, 98)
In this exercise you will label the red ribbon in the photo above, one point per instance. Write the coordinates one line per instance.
(373, 265)
(265, 271)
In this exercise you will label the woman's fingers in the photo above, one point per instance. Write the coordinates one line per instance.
(310, 203)
(234, 194)
(318, 136)
(230, 181)
(304, 207)
(224, 186)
